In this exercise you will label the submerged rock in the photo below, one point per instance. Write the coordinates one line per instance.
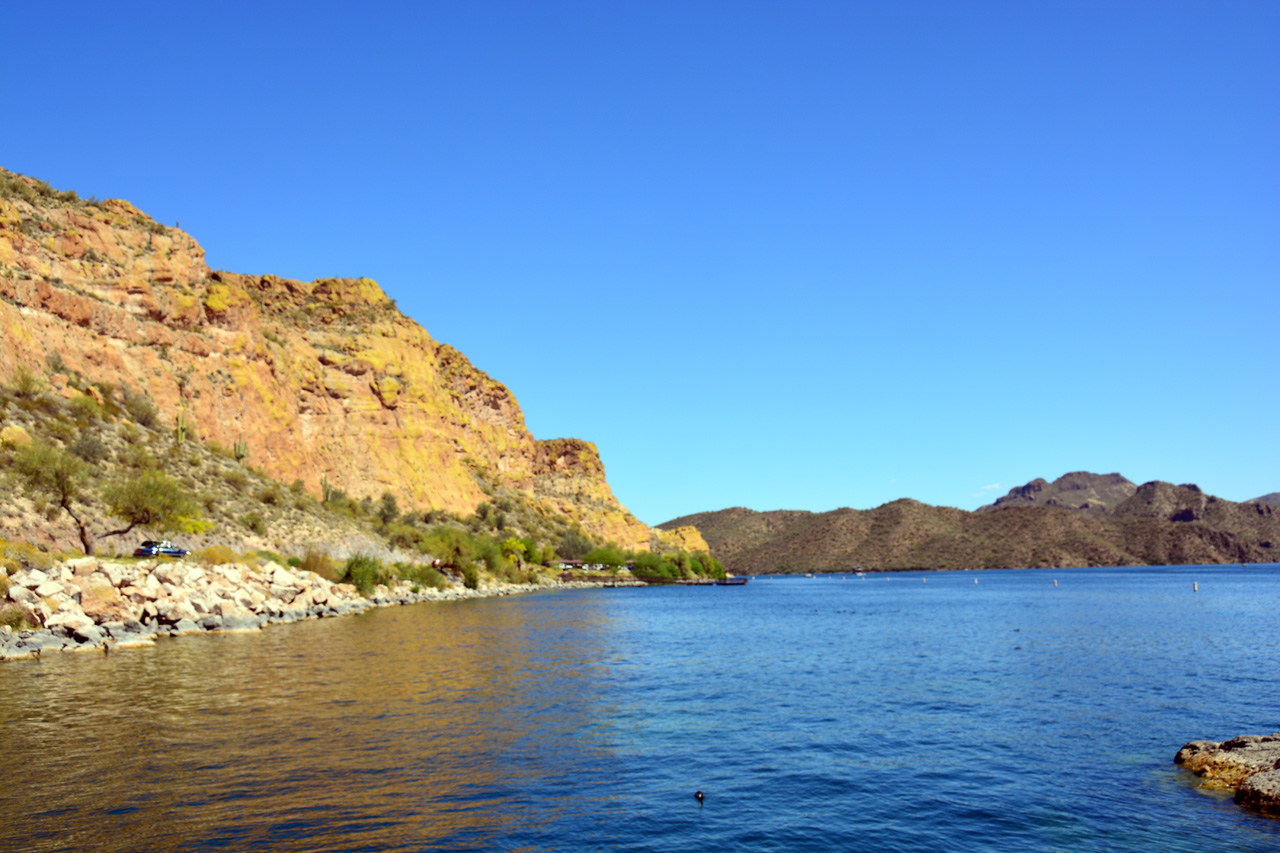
(1247, 764)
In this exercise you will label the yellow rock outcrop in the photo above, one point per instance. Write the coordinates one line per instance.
(323, 380)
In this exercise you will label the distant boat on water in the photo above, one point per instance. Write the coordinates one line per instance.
(732, 580)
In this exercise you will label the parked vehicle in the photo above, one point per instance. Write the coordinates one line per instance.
(162, 548)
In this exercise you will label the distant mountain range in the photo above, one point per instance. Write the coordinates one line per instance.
(1080, 519)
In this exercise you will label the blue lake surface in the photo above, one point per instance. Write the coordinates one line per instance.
(902, 712)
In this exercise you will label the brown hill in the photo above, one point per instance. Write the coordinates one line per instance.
(1079, 490)
(325, 382)
(1273, 499)
(1158, 524)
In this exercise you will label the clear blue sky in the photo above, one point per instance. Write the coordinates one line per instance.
(778, 255)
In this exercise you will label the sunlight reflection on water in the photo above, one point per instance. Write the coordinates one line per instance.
(818, 714)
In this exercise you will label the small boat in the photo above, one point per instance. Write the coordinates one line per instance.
(732, 580)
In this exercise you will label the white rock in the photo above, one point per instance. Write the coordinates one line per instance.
(49, 588)
(115, 573)
(31, 579)
(22, 595)
(69, 620)
(285, 593)
(283, 577)
(227, 609)
(170, 574)
(83, 565)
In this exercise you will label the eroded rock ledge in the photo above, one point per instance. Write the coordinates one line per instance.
(92, 604)
(1248, 764)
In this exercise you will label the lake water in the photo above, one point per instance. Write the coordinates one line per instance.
(907, 712)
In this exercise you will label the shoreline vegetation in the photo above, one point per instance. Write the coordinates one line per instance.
(91, 604)
(88, 465)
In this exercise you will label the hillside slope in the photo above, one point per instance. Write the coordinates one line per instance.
(325, 382)
(1159, 523)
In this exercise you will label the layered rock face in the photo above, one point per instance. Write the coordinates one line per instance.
(324, 381)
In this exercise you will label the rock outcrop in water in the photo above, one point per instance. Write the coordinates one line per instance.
(1247, 764)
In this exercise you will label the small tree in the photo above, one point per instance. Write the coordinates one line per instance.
(53, 473)
(388, 509)
(153, 499)
(148, 498)
(513, 548)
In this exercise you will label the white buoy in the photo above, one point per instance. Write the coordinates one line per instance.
(1195, 586)
(975, 580)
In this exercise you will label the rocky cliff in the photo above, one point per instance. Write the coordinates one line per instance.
(324, 381)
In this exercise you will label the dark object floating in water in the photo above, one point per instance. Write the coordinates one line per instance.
(698, 796)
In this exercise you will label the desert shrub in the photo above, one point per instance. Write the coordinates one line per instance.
(61, 430)
(423, 576)
(388, 508)
(138, 457)
(470, 576)
(143, 410)
(319, 562)
(271, 494)
(85, 410)
(11, 615)
(254, 523)
(449, 545)
(271, 556)
(215, 555)
(294, 562)
(364, 573)
(24, 383)
(236, 479)
(298, 487)
(573, 545)
(405, 536)
(90, 448)
(17, 555)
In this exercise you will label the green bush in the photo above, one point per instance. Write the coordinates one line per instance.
(470, 576)
(271, 495)
(25, 383)
(85, 410)
(364, 573)
(142, 409)
(90, 448)
(12, 616)
(139, 457)
(236, 479)
(423, 576)
(254, 522)
(319, 562)
(215, 555)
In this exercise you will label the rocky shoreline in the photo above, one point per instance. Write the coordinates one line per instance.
(1247, 764)
(89, 604)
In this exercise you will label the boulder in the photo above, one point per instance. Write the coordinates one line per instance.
(285, 593)
(31, 579)
(69, 619)
(22, 595)
(1247, 764)
(89, 634)
(116, 574)
(170, 574)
